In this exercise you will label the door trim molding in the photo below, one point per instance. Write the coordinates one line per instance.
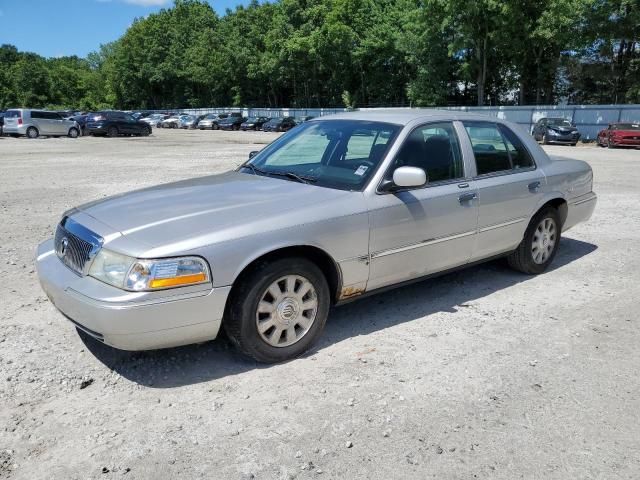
(423, 243)
(433, 241)
(503, 224)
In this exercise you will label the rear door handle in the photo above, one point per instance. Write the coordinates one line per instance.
(534, 186)
(467, 197)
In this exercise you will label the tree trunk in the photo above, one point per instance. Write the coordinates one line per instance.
(482, 73)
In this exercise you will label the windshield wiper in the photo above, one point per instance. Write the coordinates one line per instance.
(254, 169)
(291, 175)
(299, 178)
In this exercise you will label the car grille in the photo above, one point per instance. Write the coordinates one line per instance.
(75, 252)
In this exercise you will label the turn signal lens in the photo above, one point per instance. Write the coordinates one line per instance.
(177, 281)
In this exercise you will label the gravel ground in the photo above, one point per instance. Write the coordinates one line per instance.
(484, 373)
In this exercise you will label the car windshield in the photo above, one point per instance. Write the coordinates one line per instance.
(252, 120)
(275, 120)
(341, 154)
(559, 122)
(211, 116)
(626, 126)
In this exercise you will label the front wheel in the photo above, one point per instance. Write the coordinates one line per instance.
(112, 132)
(540, 243)
(278, 309)
(73, 133)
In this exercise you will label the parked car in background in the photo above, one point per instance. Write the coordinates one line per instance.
(1, 123)
(81, 121)
(210, 121)
(254, 123)
(188, 122)
(281, 124)
(338, 208)
(34, 123)
(621, 134)
(155, 119)
(231, 123)
(555, 130)
(172, 122)
(303, 119)
(114, 123)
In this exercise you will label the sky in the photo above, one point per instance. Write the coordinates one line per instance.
(54, 28)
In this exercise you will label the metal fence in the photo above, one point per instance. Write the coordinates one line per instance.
(589, 119)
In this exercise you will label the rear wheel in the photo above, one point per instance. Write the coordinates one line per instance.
(278, 309)
(112, 132)
(32, 132)
(540, 243)
(73, 133)
(146, 131)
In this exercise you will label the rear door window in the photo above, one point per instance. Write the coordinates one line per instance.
(496, 148)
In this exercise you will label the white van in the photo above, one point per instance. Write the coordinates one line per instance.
(33, 123)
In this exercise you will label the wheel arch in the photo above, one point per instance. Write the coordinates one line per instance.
(318, 256)
(557, 202)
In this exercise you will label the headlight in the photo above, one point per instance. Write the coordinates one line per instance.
(146, 275)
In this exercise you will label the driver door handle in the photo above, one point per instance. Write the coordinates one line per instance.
(467, 197)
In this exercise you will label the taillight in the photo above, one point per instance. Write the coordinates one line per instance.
(19, 120)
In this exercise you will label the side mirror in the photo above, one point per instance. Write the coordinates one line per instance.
(253, 154)
(406, 177)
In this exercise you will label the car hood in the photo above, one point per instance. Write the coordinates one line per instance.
(229, 205)
(563, 129)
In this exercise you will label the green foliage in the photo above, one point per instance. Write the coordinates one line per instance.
(318, 53)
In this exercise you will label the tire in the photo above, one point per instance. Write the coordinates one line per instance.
(73, 133)
(32, 132)
(574, 144)
(287, 277)
(215, 126)
(112, 132)
(611, 145)
(535, 253)
(146, 132)
(545, 139)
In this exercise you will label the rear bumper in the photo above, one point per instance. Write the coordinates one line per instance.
(19, 130)
(130, 321)
(580, 210)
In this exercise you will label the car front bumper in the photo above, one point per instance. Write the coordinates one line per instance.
(563, 138)
(130, 320)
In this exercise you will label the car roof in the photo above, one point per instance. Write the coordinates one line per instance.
(405, 116)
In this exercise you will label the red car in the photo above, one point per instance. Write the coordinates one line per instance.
(620, 135)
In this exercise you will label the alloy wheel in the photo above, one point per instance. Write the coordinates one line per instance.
(286, 311)
(544, 240)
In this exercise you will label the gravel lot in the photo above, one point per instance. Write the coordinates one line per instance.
(485, 373)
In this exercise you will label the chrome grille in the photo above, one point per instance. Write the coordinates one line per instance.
(75, 252)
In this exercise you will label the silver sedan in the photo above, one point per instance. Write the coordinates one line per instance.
(336, 209)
